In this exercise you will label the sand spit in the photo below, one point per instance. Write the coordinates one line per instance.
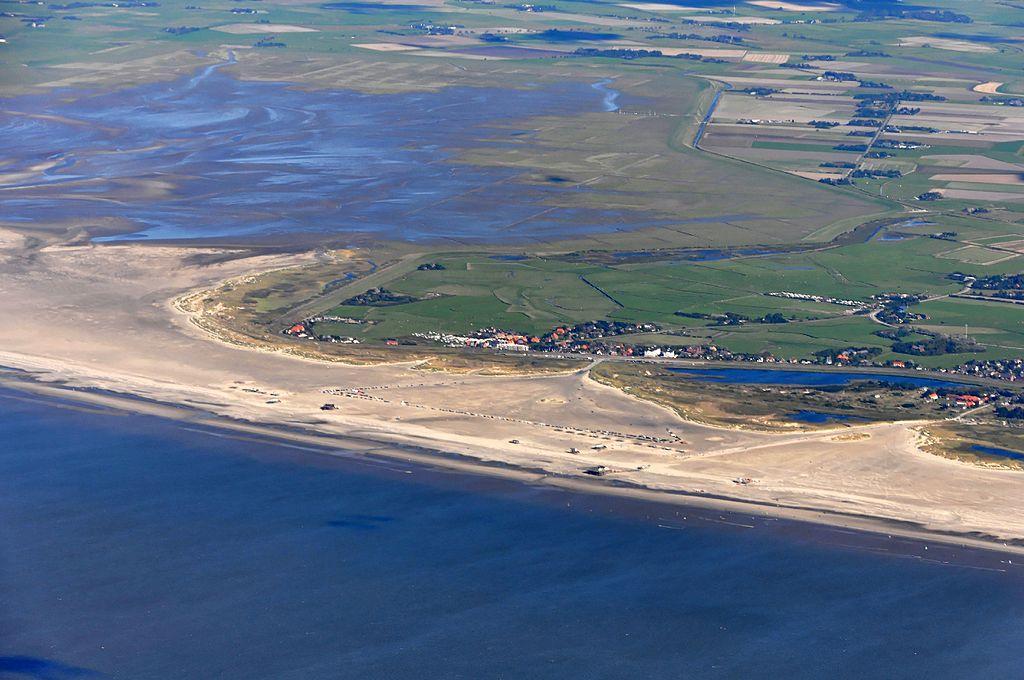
(102, 317)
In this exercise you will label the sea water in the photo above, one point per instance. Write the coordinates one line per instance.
(134, 547)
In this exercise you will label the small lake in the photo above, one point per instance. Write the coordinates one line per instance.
(776, 376)
(916, 222)
(567, 35)
(997, 451)
(697, 254)
(823, 418)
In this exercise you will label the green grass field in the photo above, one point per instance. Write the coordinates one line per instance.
(535, 294)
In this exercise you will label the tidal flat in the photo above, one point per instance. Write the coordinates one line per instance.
(210, 156)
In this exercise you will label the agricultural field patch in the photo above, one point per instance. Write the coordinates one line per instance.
(976, 255)
(950, 44)
(980, 195)
(796, 6)
(684, 297)
(246, 29)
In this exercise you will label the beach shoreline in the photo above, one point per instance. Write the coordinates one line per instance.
(86, 333)
(870, 530)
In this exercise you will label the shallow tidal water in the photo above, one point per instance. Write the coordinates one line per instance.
(133, 547)
(213, 156)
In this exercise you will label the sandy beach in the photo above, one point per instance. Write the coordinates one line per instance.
(104, 317)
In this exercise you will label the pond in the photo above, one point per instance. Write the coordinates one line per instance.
(776, 376)
(997, 451)
(822, 418)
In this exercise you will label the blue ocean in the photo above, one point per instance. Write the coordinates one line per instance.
(134, 547)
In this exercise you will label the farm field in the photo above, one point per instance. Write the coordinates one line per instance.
(462, 292)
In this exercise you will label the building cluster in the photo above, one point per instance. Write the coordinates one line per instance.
(587, 337)
(816, 298)
(900, 144)
(962, 399)
(557, 342)
(306, 329)
(763, 121)
(604, 338)
(894, 308)
(379, 297)
(485, 339)
(330, 318)
(1009, 370)
(993, 282)
(999, 101)
(584, 334)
